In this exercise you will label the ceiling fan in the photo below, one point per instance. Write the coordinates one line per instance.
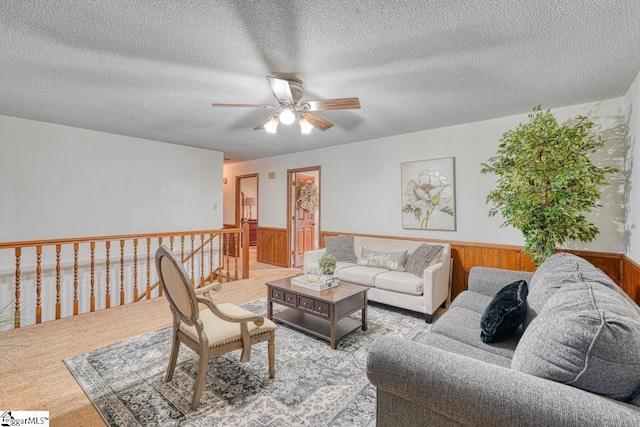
(288, 93)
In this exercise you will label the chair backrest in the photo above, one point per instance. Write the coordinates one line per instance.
(177, 286)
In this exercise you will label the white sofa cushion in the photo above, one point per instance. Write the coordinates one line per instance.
(399, 281)
(360, 275)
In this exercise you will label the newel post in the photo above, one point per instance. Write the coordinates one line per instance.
(245, 249)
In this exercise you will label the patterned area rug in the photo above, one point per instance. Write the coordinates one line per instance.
(314, 385)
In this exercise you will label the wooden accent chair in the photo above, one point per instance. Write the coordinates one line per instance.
(214, 330)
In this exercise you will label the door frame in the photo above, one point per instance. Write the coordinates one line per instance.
(290, 196)
(238, 191)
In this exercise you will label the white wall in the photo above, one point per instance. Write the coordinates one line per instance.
(59, 181)
(632, 109)
(361, 192)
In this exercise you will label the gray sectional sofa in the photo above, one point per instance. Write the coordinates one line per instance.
(575, 361)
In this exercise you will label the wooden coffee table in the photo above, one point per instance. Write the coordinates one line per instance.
(324, 314)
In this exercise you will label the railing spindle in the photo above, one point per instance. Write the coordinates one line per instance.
(58, 269)
(211, 257)
(107, 263)
(148, 268)
(122, 272)
(38, 284)
(202, 259)
(75, 279)
(235, 260)
(182, 248)
(228, 254)
(135, 269)
(159, 287)
(221, 242)
(193, 238)
(171, 243)
(92, 296)
(16, 315)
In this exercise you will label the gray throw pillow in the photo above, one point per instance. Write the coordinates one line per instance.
(341, 247)
(424, 256)
(586, 336)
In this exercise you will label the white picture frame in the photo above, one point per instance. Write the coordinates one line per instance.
(428, 194)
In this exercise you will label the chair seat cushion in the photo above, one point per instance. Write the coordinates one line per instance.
(221, 332)
(399, 281)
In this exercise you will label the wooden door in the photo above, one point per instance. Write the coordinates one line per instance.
(304, 222)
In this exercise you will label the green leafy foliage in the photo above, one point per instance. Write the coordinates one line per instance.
(546, 181)
(327, 264)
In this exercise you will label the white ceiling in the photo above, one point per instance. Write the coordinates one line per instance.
(152, 68)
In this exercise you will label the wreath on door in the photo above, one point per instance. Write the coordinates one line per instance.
(308, 198)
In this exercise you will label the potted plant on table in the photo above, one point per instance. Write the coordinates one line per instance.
(327, 265)
(547, 182)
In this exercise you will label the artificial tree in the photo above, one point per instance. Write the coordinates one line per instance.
(547, 182)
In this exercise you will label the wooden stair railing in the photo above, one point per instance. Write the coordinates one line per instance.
(43, 280)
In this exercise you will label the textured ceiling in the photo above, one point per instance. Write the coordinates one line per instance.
(152, 68)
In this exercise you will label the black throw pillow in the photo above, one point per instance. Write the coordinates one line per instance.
(504, 313)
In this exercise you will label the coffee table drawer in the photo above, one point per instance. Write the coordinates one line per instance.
(321, 308)
(305, 303)
(291, 299)
(277, 294)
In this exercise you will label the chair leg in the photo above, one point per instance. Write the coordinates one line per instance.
(173, 358)
(203, 364)
(272, 355)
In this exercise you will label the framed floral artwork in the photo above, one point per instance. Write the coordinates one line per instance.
(428, 194)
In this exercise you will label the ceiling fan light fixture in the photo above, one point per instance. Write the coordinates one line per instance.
(287, 115)
(272, 125)
(305, 126)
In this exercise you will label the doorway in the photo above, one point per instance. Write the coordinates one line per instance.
(247, 206)
(303, 210)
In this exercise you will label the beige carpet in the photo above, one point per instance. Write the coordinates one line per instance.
(34, 376)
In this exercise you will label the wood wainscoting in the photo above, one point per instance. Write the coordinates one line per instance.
(466, 255)
(273, 246)
(630, 278)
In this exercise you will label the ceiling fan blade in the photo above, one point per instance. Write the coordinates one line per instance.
(261, 125)
(332, 104)
(219, 104)
(281, 89)
(317, 121)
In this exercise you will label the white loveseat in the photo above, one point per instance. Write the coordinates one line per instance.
(397, 288)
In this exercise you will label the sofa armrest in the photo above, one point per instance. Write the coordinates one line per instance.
(311, 259)
(473, 392)
(488, 281)
(435, 283)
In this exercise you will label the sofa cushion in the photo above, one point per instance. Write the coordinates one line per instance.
(360, 275)
(389, 260)
(341, 247)
(463, 325)
(424, 256)
(586, 336)
(399, 281)
(557, 271)
(340, 265)
(472, 301)
(454, 346)
(504, 313)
